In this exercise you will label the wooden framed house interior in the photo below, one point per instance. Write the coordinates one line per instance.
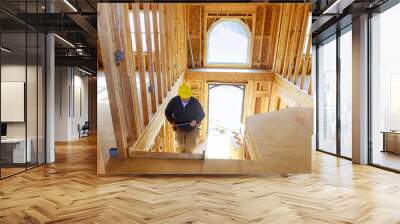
(264, 48)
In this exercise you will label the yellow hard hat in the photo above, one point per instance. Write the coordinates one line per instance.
(184, 91)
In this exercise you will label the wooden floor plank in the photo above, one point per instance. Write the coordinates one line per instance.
(69, 191)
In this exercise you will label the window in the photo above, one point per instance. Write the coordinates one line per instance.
(335, 107)
(385, 88)
(308, 30)
(346, 94)
(228, 42)
(143, 30)
(327, 96)
(394, 101)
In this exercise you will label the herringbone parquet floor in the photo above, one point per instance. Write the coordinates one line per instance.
(70, 192)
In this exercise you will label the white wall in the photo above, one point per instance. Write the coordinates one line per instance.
(33, 126)
(105, 130)
(70, 83)
(15, 73)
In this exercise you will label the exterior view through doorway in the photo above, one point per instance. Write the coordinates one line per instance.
(225, 120)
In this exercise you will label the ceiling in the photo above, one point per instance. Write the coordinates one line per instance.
(331, 15)
(73, 20)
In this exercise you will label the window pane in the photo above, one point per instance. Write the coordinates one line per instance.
(346, 93)
(308, 30)
(327, 97)
(385, 88)
(228, 43)
(143, 30)
(131, 24)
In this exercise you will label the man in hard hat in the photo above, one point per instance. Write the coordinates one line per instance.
(185, 114)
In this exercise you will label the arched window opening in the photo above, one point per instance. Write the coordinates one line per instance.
(228, 42)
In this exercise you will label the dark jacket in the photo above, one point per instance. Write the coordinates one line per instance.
(175, 112)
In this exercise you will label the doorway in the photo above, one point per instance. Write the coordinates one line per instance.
(225, 118)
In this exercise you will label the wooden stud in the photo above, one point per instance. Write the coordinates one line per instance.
(140, 58)
(157, 59)
(171, 41)
(293, 49)
(253, 38)
(107, 43)
(163, 55)
(290, 35)
(301, 44)
(275, 14)
(166, 14)
(200, 34)
(149, 60)
(262, 36)
(127, 71)
(305, 61)
(278, 36)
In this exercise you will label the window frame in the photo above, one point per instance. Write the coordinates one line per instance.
(336, 36)
(229, 65)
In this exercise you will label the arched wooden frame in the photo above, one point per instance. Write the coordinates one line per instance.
(229, 65)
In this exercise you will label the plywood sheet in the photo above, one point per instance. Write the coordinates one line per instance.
(280, 135)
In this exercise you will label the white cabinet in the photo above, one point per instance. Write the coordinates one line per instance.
(17, 146)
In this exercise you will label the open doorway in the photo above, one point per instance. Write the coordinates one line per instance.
(225, 116)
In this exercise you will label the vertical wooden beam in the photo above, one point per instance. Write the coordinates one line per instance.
(305, 62)
(127, 70)
(166, 14)
(290, 34)
(301, 44)
(310, 86)
(172, 39)
(162, 138)
(262, 36)
(293, 49)
(157, 59)
(200, 34)
(164, 67)
(278, 36)
(149, 60)
(253, 35)
(275, 13)
(107, 44)
(140, 58)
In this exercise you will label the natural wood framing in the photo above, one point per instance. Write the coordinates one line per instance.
(293, 44)
(140, 58)
(107, 43)
(301, 45)
(306, 62)
(157, 57)
(261, 36)
(290, 33)
(160, 69)
(150, 65)
(165, 76)
(127, 72)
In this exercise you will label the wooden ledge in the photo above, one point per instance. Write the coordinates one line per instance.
(229, 74)
(167, 155)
